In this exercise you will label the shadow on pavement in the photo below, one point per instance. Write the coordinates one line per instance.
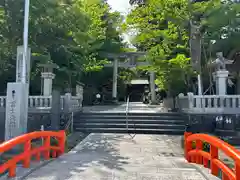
(101, 151)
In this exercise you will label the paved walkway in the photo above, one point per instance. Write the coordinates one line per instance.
(119, 157)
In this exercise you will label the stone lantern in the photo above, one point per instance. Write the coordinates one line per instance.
(48, 76)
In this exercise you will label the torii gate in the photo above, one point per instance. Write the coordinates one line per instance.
(130, 63)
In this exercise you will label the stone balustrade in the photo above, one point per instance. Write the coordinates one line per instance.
(39, 101)
(45, 102)
(76, 102)
(209, 103)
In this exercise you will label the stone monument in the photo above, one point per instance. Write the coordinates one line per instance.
(17, 98)
(16, 117)
(48, 76)
(221, 74)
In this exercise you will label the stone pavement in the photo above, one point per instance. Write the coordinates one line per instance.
(119, 157)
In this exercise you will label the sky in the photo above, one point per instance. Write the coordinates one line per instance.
(123, 7)
(120, 5)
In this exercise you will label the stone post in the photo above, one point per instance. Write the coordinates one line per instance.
(190, 100)
(221, 82)
(79, 90)
(79, 93)
(55, 110)
(152, 87)
(115, 78)
(16, 114)
(48, 76)
(67, 102)
(47, 83)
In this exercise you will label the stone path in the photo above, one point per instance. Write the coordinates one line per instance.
(119, 157)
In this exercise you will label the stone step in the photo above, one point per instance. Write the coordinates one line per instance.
(130, 125)
(136, 121)
(131, 130)
(123, 113)
(123, 116)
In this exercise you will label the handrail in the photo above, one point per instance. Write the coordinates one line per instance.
(69, 124)
(199, 156)
(127, 112)
(28, 151)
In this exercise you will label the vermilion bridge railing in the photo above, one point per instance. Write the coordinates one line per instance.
(211, 159)
(28, 151)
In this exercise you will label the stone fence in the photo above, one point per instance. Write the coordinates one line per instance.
(224, 104)
(215, 114)
(40, 103)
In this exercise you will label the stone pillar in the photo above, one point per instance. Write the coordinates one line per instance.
(16, 114)
(67, 103)
(47, 80)
(115, 77)
(79, 90)
(152, 87)
(190, 100)
(79, 93)
(221, 82)
(55, 110)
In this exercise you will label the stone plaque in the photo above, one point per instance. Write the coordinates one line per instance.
(228, 123)
(219, 121)
(16, 110)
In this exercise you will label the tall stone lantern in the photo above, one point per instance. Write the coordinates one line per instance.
(48, 76)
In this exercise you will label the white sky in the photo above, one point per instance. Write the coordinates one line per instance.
(120, 5)
(123, 7)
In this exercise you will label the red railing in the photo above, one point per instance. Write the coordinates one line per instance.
(28, 151)
(199, 156)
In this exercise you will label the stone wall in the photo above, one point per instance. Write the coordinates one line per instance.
(222, 125)
(37, 119)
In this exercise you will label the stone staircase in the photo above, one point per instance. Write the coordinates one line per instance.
(139, 123)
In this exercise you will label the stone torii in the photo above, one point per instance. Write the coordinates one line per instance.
(130, 62)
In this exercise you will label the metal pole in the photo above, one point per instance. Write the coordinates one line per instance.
(25, 40)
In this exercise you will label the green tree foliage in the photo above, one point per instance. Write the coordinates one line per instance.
(162, 29)
(224, 33)
(70, 33)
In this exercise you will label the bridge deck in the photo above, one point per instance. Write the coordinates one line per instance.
(119, 157)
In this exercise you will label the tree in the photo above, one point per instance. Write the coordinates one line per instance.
(68, 33)
(163, 31)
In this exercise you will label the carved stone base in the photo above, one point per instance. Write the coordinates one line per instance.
(221, 81)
